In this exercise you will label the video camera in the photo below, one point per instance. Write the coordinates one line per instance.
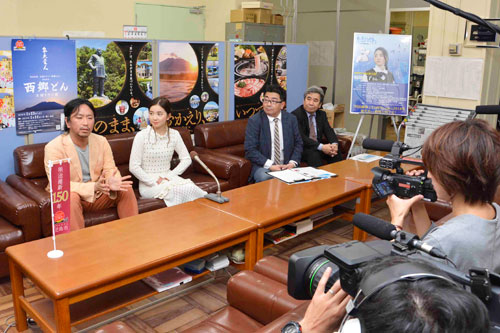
(386, 182)
(305, 268)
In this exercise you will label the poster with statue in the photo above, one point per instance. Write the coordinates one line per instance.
(189, 77)
(117, 78)
(380, 74)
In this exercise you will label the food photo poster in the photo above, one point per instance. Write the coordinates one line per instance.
(256, 66)
(380, 74)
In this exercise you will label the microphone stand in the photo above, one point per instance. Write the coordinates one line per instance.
(468, 16)
(217, 197)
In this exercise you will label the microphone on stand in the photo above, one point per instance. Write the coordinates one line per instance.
(377, 144)
(217, 197)
(385, 230)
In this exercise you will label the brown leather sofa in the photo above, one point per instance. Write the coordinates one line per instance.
(19, 222)
(228, 137)
(258, 301)
(30, 178)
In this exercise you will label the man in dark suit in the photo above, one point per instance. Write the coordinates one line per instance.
(313, 125)
(272, 138)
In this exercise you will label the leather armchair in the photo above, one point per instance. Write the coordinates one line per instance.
(30, 178)
(257, 302)
(227, 140)
(19, 222)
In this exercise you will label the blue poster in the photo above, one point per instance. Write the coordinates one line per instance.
(380, 74)
(44, 73)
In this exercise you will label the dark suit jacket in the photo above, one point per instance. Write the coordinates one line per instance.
(322, 127)
(258, 140)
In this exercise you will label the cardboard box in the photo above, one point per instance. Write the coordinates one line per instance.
(242, 15)
(330, 115)
(277, 19)
(257, 4)
(261, 15)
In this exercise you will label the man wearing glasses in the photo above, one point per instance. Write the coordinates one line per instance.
(272, 138)
(313, 126)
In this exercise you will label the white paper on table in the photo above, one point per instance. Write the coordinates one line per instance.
(313, 172)
(367, 158)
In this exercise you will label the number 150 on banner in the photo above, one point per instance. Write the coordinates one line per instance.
(60, 183)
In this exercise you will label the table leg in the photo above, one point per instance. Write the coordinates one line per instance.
(250, 250)
(363, 206)
(260, 245)
(61, 310)
(16, 280)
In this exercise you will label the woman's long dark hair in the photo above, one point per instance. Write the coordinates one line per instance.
(165, 104)
(385, 54)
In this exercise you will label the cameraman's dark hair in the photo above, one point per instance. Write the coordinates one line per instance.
(464, 157)
(425, 305)
(274, 88)
(73, 106)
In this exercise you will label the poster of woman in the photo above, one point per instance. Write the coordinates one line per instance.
(380, 74)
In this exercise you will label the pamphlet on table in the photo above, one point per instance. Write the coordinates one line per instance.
(300, 175)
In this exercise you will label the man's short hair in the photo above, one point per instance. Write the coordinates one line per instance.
(464, 158)
(315, 90)
(424, 305)
(274, 88)
(73, 106)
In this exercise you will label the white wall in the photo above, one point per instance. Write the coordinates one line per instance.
(446, 28)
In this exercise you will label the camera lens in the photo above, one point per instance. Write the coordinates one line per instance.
(315, 271)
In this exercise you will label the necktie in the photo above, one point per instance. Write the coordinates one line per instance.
(277, 148)
(312, 129)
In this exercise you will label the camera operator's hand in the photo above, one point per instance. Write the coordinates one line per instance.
(416, 172)
(326, 309)
(399, 208)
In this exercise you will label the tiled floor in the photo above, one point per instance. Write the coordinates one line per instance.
(185, 310)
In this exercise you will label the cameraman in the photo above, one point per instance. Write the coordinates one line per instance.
(463, 161)
(407, 305)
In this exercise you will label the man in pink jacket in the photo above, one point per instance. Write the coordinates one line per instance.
(96, 183)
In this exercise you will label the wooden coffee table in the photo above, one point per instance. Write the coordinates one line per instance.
(273, 203)
(102, 266)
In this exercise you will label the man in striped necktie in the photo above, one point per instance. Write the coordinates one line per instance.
(320, 141)
(272, 138)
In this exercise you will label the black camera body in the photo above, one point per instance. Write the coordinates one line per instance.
(305, 269)
(386, 182)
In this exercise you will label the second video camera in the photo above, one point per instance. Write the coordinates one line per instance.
(386, 182)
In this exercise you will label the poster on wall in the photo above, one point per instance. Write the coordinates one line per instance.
(254, 67)
(380, 74)
(44, 80)
(117, 78)
(189, 78)
(7, 116)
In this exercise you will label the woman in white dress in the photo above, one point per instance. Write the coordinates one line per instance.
(151, 155)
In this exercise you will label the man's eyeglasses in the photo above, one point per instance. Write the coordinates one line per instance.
(270, 101)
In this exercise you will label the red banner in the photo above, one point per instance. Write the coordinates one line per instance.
(60, 183)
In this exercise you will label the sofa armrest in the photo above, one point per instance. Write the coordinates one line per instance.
(244, 165)
(345, 143)
(39, 195)
(20, 211)
(437, 209)
(276, 325)
(259, 297)
(222, 168)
